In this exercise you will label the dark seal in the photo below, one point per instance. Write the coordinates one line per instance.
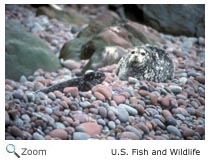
(84, 83)
(146, 62)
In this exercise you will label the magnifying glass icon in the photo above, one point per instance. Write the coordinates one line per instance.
(11, 149)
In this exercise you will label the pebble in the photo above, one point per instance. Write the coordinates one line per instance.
(128, 136)
(111, 125)
(26, 118)
(180, 116)
(15, 131)
(175, 89)
(101, 122)
(81, 117)
(143, 127)
(7, 118)
(159, 123)
(49, 110)
(119, 99)
(90, 128)
(174, 130)
(37, 136)
(60, 125)
(170, 120)
(111, 115)
(187, 132)
(80, 136)
(59, 133)
(18, 122)
(165, 101)
(135, 131)
(104, 90)
(122, 114)
(85, 104)
(102, 111)
(139, 108)
(73, 90)
(129, 109)
(99, 96)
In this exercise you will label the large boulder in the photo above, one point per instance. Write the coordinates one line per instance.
(176, 19)
(91, 42)
(25, 52)
(66, 16)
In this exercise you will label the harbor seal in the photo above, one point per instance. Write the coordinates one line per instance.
(83, 83)
(146, 62)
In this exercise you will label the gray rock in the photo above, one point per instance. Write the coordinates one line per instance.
(102, 112)
(111, 124)
(130, 110)
(7, 118)
(135, 131)
(159, 123)
(170, 120)
(25, 52)
(180, 116)
(164, 17)
(85, 104)
(37, 136)
(18, 122)
(101, 122)
(60, 125)
(123, 114)
(174, 130)
(175, 89)
(25, 118)
(80, 136)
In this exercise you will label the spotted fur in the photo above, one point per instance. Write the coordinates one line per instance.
(146, 63)
(84, 83)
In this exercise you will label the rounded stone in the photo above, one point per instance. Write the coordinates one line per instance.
(175, 89)
(90, 128)
(73, 90)
(170, 120)
(82, 117)
(15, 131)
(99, 96)
(174, 130)
(26, 118)
(123, 114)
(111, 125)
(101, 122)
(60, 125)
(80, 136)
(165, 101)
(135, 131)
(37, 136)
(59, 133)
(111, 115)
(187, 132)
(129, 109)
(139, 108)
(128, 136)
(119, 99)
(143, 127)
(166, 113)
(103, 112)
(104, 90)
(7, 119)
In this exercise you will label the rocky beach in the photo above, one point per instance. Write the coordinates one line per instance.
(43, 50)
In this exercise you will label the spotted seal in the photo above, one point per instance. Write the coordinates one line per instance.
(83, 83)
(146, 62)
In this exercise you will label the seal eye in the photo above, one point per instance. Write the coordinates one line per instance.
(143, 53)
(133, 52)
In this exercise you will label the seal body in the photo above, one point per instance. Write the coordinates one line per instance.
(84, 83)
(146, 62)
